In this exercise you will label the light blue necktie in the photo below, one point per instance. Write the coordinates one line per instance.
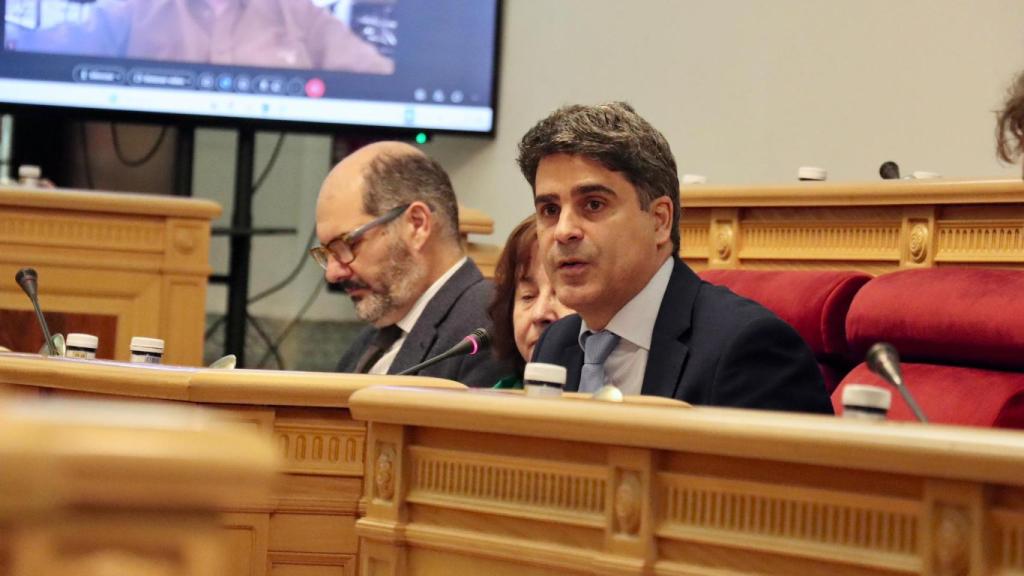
(596, 348)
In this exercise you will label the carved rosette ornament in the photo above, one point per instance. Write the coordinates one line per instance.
(184, 241)
(918, 242)
(627, 504)
(952, 538)
(384, 473)
(723, 241)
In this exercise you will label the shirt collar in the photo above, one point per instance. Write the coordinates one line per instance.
(409, 320)
(635, 321)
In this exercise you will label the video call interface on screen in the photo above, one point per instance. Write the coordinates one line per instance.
(419, 64)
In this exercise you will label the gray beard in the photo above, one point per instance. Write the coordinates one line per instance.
(398, 285)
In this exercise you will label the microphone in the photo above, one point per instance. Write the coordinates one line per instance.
(883, 360)
(889, 170)
(29, 282)
(477, 340)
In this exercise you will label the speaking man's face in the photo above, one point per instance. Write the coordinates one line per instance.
(598, 245)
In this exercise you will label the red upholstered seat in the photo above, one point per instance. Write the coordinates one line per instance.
(951, 394)
(815, 303)
(960, 333)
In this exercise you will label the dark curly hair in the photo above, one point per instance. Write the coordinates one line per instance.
(617, 137)
(1010, 124)
(513, 264)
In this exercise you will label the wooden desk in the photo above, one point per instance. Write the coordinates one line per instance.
(874, 227)
(308, 527)
(472, 482)
(473, 221)
(90, 488)
(114, 265)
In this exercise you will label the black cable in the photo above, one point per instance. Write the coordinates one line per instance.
(85, 157)
(260, 331)
(213, 327)
(145, 157)
(291, 324)
(272, 348)
(303, 259)
(270, 164)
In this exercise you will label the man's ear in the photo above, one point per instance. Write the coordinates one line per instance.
(419, 224)
(661, 212)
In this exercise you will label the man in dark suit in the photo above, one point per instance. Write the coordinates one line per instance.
(606, 192)
(388, 224)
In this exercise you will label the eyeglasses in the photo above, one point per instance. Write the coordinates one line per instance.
(343, 247)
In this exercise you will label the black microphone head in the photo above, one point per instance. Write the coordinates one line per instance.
(28, 280)
(882, 359)
(483, 339)
(889, 170)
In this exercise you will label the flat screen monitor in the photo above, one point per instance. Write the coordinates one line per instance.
(404, 64)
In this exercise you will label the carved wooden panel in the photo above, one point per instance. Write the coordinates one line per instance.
(693, 240)
(716, 510)
(960, 241)
(319, 449)
(47, 228)
(571, 493)
(871, 227)
(809, 241)
(301, 564)
(246, 537)
(1008, 541)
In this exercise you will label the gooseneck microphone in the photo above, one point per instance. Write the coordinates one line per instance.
(883, 360)
(29, 282)
(477, 340)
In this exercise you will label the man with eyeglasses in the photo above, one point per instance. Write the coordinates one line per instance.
(388, 225)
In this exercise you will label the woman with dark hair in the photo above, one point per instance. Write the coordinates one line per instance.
(1010, 125)
(524, 301)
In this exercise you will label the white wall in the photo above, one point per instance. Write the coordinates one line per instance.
(745, 91)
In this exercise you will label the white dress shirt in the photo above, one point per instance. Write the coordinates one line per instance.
(409, 320)
(634, 323)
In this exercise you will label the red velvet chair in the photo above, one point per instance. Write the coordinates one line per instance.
(815, 303)
(960, 335)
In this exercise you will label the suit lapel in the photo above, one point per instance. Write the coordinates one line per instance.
(668, 352)
(572, 359)
(421, 339)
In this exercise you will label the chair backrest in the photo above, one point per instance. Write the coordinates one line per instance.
(815, 303)
(960, 333)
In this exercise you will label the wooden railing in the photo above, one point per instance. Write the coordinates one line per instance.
(874, 227)
(477, 482)
(308, 525)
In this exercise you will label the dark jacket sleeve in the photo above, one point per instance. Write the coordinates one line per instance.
(355, 350)
(767, 365)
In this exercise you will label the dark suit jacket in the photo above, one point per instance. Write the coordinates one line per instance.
(710, 347)
(458, 308)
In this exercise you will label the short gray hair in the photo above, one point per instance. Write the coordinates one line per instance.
(396, 179)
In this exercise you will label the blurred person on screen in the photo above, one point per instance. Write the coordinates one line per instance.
(263, 33)
(524, 302)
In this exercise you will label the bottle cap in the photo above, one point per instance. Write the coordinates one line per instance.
(29, 171)
(695, 179)
(540, 372)
(867, 396)
(812, 173)
(77, 340)
(151, 345)
(925, 175)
